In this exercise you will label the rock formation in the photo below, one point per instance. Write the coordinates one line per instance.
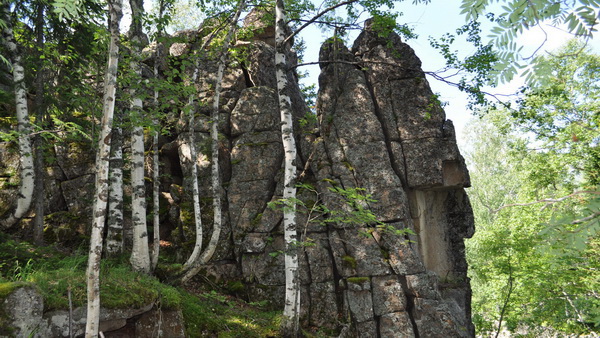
(377, 127)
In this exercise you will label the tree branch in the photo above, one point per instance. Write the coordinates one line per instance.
(550, 201)
(585, 219)
(291, 36)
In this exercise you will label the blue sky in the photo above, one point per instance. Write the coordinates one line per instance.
(435, 19)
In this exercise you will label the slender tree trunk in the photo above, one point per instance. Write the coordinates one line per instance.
(155, 149)
(215, 172)
(40, 190)
(195, 191)
(140, 256)
(155, 181)
(114, 233)
(155, 201)
(102, 163)
(291, 314)
(23, 126)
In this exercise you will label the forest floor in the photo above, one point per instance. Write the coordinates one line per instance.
(208, 310)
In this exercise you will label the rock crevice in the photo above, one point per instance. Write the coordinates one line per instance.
(378, 141)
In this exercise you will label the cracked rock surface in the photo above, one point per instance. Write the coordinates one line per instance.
(377, 126)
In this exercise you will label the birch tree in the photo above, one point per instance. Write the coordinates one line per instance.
(290, 324)
(27, 174)
(155, 149)
(102, 163)
(155, 191)
(140, 256)
(195, 191)
(114, 233)
(215, 175)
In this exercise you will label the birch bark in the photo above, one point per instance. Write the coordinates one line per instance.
(291, 313)
(155, 178)
(215, 172)
(102, 163)
(27, 174)
(155, 202)
(140, 256)
(114, 233)
(155, 149)
(195, 190)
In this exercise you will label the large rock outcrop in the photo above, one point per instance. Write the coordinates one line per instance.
(377, 127)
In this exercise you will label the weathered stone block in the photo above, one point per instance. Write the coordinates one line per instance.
(396, 325)
(388, 295)
(360, 301)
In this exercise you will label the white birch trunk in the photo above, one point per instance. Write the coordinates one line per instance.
(155, 201)
(195, 191)
(155, 149)
(114, 234)
(215, 172)
(102, 163)
(140, 256)
(27, 174)
(155, 177)
(291, 314)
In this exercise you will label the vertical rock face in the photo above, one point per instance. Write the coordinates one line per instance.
(379, 128)
(378, 131)
(382, 129)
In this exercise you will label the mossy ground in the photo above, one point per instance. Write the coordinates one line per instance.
(206, 312)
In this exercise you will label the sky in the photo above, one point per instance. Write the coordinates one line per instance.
(434, 19)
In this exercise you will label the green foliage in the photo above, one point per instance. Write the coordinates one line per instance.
(352, 209)
(563, 112)
(215, 314)
(67, 8)
(55, 276)
(517, 16)
(534, 257)
(475, 69)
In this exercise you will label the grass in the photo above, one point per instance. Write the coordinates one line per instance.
(213, 314)
(55, 275)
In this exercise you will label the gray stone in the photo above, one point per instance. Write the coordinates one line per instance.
(322, 305)
(256, 111)
(388, 295)
(79, 194)
(366, 329)
(75, 159)
(24, 308)
(377, 127)
(160, 323)
(360, 301)
(434, 318)
(396, 325)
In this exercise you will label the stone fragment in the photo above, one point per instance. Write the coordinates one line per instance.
(358, 296)
(388, 295)
(366, 329)
(160, 323)
(23, 308)
(396, 325)
(322, 304)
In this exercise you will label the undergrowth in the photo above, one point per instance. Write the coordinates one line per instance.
(56, 275)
